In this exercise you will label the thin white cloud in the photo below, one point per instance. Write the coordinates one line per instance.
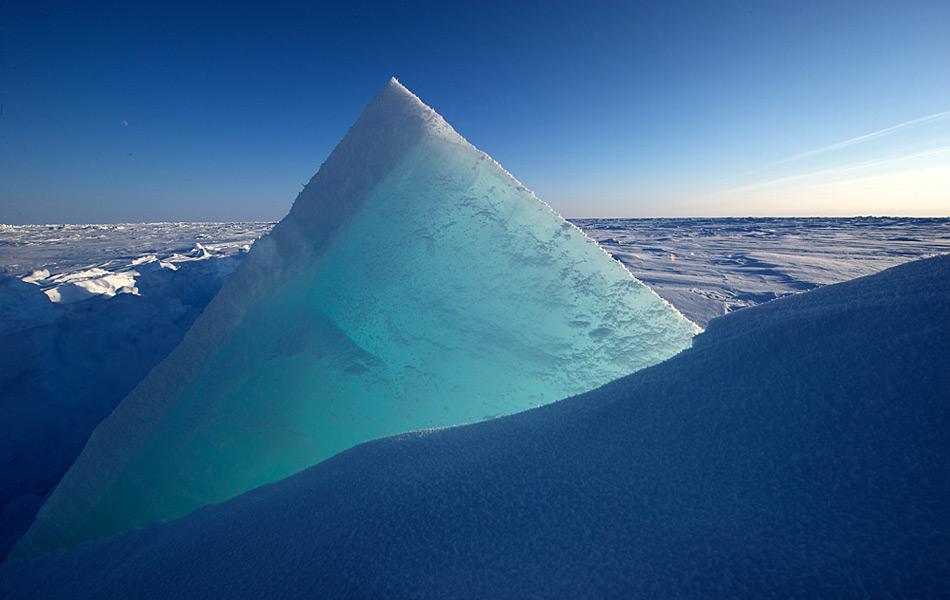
(849, 142)
(917, 190)
(867, 136)
(836, 171)
(912, 177)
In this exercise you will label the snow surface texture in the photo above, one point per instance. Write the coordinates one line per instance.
(480, 301)
(799, 449)
(708, 267)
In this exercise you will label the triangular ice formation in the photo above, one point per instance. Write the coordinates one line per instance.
(414, 284)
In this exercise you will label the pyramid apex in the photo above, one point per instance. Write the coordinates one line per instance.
(395, 102)
(394, 85)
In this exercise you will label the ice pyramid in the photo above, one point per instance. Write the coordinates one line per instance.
(414, 284)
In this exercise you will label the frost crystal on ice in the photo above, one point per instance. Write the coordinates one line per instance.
(414, 284)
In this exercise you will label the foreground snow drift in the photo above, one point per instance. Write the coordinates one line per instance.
(800, 448)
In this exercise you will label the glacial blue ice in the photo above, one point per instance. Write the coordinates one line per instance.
(414, 284)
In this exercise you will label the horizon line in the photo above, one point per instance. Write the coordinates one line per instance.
(585, 218)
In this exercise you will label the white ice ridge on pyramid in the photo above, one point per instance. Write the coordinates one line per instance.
(414, 284)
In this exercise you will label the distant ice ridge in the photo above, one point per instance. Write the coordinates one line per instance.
(77, 262)
(477, 301)
(81, 285)
(798, 449)
(707, 267)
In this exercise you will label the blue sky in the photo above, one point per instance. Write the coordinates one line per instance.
(118, 112)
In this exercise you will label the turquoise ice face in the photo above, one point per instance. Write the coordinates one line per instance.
(446, 293)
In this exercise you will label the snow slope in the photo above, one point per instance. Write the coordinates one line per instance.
(799, 449)
(480, 301)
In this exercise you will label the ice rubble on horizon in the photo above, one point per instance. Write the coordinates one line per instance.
(82, 284)
(479, 301)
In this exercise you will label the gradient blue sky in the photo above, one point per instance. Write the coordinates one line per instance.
(119, 112)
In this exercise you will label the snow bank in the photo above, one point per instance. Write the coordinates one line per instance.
(800, 448)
